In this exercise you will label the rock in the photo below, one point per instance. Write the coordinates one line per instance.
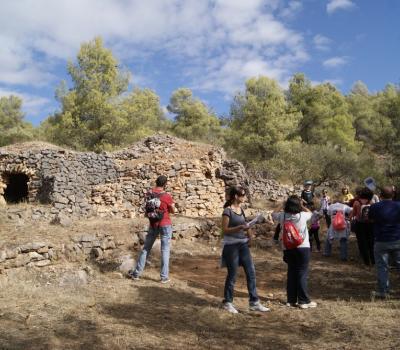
(62, 220)
(127, 264)
(74, 279)
(21, 260)
(3, 256)
(87, 238)
(96, 253)
(43, 263)
(12, 253)
(118, 274)
(29, 247)
(34, 256)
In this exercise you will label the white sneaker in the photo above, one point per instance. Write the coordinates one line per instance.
(165, 280)
(230, 308)
(292, 304)
(257, 306)
(310, 305)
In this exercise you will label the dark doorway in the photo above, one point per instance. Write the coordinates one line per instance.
(17, 188)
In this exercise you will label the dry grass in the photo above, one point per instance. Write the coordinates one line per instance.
(48, 309)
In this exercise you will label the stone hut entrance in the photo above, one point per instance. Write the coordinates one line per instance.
(17, 187)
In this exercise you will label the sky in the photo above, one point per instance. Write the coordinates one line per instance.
(209, 46)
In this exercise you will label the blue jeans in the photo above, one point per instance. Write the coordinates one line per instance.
(235, 255)
(343, 248)
(382, 251)
(297, 260)
(165, 233)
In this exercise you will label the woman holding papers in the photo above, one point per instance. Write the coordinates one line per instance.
(236, 252)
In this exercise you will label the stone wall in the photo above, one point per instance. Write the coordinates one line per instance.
(114, 184)
(103, 246)
(270, 189)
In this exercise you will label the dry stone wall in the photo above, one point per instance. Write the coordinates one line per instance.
(114, 184)
(270, 189)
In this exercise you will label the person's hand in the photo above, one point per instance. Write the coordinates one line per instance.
(244, 227)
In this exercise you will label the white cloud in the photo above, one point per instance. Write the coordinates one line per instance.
(335, 62)
(219, 42)
(32, 104)
(334, 5)
(336, 82)
(292, 10)
(321, 42)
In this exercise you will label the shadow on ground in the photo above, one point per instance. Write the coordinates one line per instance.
(180, 312)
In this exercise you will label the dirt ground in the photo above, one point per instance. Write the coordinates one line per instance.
(89, 305)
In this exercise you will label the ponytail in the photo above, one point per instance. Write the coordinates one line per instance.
(231, 193)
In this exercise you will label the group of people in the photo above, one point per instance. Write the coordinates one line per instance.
(375, 221)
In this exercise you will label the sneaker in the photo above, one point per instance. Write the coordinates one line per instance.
(230, 308)
(310, 305)
(257, 306)
(165, 280)
(378, 295)
(133, 275)
(291, 304)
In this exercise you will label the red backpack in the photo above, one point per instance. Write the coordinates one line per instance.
(339, 222)
(291, 236)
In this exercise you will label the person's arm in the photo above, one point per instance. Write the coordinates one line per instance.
(170, 204)
(355, 211)
(171, 208)
(303, 208)
(229, 230)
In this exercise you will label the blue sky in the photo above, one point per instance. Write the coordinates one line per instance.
(210, 46)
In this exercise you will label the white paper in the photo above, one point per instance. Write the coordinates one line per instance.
(254, 221)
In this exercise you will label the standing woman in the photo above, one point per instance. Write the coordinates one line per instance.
(297, 258)
(325, 202)
(363, 226)
(236, 250)
(346, 195)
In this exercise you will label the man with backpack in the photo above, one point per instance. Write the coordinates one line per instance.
(385, 216)
(158, 205)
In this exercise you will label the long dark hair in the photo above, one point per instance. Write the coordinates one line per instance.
(231, 193)
(293, 205)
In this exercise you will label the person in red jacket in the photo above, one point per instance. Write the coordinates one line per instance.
(162, 228)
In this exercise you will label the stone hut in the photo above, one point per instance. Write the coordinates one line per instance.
(114, 184)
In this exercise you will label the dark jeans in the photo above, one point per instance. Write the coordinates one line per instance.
(297, 260)
(365, 241)
(314, 233)
(236, 255)
(327, 218)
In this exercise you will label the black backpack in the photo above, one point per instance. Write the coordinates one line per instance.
(364, 213)
(152, 207)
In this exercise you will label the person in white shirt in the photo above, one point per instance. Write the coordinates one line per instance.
(341, 235)
(297, 258)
